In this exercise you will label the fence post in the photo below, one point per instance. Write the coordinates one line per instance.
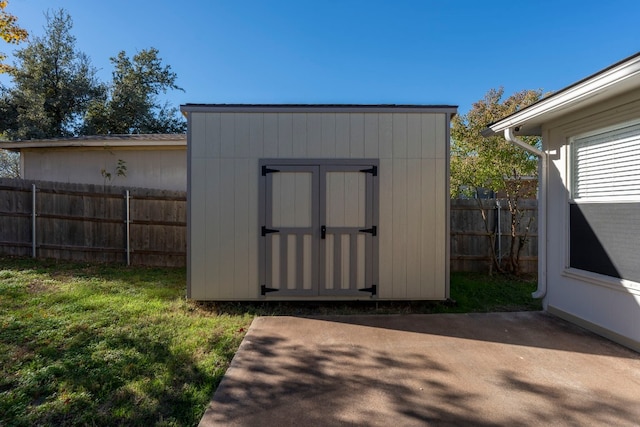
(499, 233)
(128, 221)
(33, 220)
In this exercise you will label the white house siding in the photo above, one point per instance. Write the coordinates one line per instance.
(161, 168)
(607, 305)
(224, 149)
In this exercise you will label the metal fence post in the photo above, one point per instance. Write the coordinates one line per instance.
(33, 220)
(128, 221)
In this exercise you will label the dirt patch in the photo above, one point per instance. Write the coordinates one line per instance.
(38, 286)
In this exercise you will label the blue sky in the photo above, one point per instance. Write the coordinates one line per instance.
(353, 51)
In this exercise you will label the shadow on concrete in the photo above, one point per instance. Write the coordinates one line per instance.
(530, 329)
(331, 386)
(351, 371)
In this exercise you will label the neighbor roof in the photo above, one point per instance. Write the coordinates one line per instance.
(136, 140)
(614, 80)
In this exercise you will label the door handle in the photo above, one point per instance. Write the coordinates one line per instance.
(323, 232)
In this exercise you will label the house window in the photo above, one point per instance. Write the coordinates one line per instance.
(607, 165)
(604, 210)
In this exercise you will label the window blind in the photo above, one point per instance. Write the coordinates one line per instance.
(607, 164)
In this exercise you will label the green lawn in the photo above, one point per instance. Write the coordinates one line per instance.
(108, 345)
(470, 292)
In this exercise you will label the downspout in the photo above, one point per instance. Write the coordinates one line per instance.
(510, 136)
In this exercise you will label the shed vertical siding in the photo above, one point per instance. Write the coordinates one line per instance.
(227, 287)
(414, 210)
(356, 139)
(385, 233)
(299, 134)
(242, 225)
(371, 136)
(196, 243)
(399, 228)
(412, 149)
(427, 230)
(212, 253)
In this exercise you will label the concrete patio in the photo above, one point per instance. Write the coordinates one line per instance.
(526, 368)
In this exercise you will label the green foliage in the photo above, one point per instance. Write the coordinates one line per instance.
(8, 112)
(10, 32)
(132, 104)
(53, 84)
(120, 170)
(493, 163)
(9, 164)
(55, 91)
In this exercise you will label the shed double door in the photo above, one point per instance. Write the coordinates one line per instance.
(319, 229)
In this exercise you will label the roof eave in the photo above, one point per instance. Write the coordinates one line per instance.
(18, 146)
(107, 141)
(318, 108)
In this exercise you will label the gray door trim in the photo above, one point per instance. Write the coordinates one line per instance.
(266, 220)
(353, 232)
(322, 166)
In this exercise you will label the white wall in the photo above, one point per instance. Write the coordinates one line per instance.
(413, 187)
(608, 306)
(163, 168)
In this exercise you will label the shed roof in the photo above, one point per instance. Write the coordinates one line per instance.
(614, 80)
(319, 108)
(131, 141)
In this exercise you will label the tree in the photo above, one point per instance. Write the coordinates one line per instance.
(53, 85)
(10, 32)
(9, 164)
(493, 163)
(132, 105)
(13, 34)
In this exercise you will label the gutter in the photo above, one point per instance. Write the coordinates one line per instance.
(509, 134)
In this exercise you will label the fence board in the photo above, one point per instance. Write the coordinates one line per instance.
(88, 223)
(85, 222)
(470, 245)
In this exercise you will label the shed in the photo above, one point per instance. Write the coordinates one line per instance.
(308, 202)
(589, 219)
(157, 161)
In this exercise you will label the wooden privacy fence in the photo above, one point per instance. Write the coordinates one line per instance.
(470, 250)
(96, 223)
(92, 223)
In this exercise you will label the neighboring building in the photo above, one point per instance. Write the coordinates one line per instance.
(156, 161)
(318, 202)
(589, 219)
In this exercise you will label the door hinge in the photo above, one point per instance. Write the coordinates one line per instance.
(266, 231)
(373, 170)
(373, 289)
(373, 230)
(264, 289)
(266, 170)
